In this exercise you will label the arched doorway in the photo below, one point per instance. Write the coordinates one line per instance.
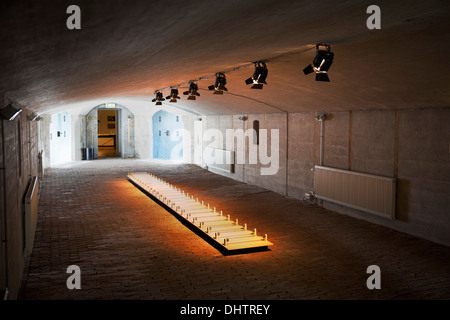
(109, 128)
(167, 136)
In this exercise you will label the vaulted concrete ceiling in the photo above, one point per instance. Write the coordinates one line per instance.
(129, 49)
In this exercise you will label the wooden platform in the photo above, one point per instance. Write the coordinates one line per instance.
(226, 234)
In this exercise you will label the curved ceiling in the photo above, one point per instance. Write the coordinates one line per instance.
(129, 49)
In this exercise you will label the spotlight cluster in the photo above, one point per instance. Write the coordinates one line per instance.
(158, 98)
(259, 76)
(322, 62)
(173, 95)
(219, 84)
(193, 91)
(320, 66)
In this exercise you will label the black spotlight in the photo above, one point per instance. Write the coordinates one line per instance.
(173, 95)
(322, 62)
(259, 76)
(192, 92)
(219, 85)
(158, 98)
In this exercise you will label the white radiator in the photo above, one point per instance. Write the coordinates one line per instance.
(365, 192)
(31, 213)
(219, 159)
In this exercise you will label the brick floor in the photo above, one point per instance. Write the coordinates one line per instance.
(128, 247)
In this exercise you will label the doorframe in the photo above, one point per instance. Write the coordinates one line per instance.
(122, 149)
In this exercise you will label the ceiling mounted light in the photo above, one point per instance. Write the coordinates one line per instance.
(259, 76)
(219, 85)
(10, 112)
(158, 98)
(321, 117)
(33, 117)
(110, 105)
(322, 62)
(193, 91)
(173, 95)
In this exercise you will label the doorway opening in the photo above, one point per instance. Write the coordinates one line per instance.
(60, 139)
(107, 133)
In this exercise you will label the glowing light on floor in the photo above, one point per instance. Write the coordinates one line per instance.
(218, 227)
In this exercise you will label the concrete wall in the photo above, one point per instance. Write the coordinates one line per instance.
(410, 145)
(217, 127)
(18, 162)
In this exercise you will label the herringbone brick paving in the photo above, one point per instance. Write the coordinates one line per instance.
(128, 247)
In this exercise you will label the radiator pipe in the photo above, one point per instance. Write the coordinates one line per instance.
(321, 144)
(321, 118)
